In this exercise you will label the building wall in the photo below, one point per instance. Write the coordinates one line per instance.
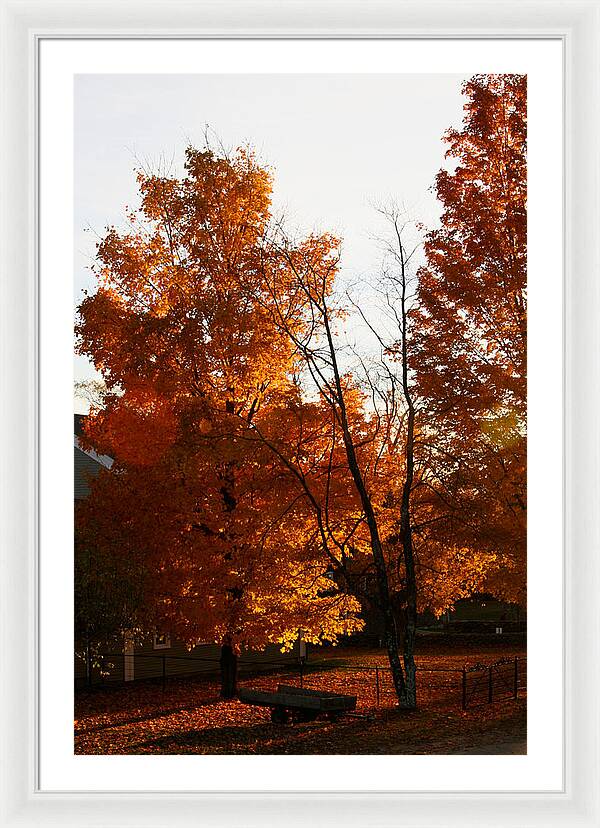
(85, 468)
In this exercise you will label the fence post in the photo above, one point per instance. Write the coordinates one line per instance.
(377, 683)
(464, 688)
(301, 673)
(490, 686)
(516, 689)
(164, 672)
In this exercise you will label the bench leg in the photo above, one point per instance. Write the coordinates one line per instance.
(279, 715)
(307, 715)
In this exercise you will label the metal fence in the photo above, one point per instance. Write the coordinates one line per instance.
(500, 681)
(116, 668)
(372, 685)
(467, 686)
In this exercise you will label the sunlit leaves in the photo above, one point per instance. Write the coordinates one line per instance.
(184, 328)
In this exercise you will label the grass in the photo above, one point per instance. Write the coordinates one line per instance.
(189, 718)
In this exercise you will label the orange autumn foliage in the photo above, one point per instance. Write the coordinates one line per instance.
(470, 345)
(231, 495)
(181, 329)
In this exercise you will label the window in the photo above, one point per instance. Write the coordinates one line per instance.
(162, 642)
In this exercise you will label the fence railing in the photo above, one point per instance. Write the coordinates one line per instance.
(470, 686)
(500, 681)
(117, 667)
(374, 687)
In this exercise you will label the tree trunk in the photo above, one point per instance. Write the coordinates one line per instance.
(409, 696)
(229, 663)
(389, 622)
(88, 660)
(409, 699)
(391, 645)
(390, 629)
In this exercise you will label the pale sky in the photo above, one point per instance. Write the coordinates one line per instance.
(336, 143)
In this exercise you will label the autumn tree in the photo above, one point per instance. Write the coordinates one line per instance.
(422, 574)
(471, 333)
(182, 334)
(372, 411)
(313, 326)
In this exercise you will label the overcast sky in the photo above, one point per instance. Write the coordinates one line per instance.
(336, 144)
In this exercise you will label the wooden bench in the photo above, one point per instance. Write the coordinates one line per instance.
(297, 703)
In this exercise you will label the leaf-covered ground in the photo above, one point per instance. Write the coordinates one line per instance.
(188, 717)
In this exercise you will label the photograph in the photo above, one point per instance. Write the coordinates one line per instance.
(300, 414)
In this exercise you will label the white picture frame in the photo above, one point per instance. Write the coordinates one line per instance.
(577, 24)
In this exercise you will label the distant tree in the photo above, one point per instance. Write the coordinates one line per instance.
(91, 391)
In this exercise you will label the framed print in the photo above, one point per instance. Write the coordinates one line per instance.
(323, 277)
